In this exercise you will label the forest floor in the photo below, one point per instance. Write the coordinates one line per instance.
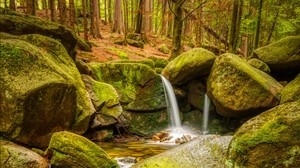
(104, 49)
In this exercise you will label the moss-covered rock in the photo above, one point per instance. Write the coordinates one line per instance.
(159, 62)
(105, 100)
(148, 62)
(39, 81)
(139, 87)
(271, 139)
(193, 63)
(283, 56)
(19, 24)
(70, 150)
(164, 49)
(291, 92)
(196, 92)
(204, 152)
(237, 89)
(13, 155)
(146, 124)
(256, 63)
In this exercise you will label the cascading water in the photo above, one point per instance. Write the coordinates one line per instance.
(171, 103)
(205, 114)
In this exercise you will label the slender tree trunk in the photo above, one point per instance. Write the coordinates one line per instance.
(146, 15)
(274, 23)
(199, 31)
(110, 20)
(30, 7)
(12, 5)
(72, 14)
(165, 16)
(178, 22)
(257, 32)
(85, 22)
(139, 21)
(62, 12)
(97, 18)
(235, 25)
(117, 27)
(125, 2)
(52, 10)
(105, 12)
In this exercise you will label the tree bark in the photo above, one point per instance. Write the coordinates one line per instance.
(117, 27)
(30, 7)
(85, 22)
(235, 25)
(72, 14)
(12, 5)
(164, 27)
(62, 12)
(110, 20)
(139, 21)
(257, 32)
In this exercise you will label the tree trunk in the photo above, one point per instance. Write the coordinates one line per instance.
(117, 27)
(12, 5)
(72, 14)
(146, 15)
(235, 25)
(177, 30)
(30, 7)
(62, 12)
(257, 32)
(105, 12)
(97, 18)
(139, 21)
(110, 20)
(199, 32)
(125, 2)
(85, 22)
(52, 10)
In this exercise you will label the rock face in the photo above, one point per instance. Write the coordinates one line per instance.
(204, 152)
(13, 155)
(19, 24)
(71, 150)
(105, 100)
(291, 92)
(282, 56)
(271, 139)
(41, 91)
(256, 63)
(146, 124)
(237, 89)
(139, 87)
(193, 63)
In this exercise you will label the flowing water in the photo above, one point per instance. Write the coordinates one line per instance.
(172, 106)
(205, 114)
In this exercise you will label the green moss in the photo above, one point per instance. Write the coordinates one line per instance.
(291, 91)
(120, 53)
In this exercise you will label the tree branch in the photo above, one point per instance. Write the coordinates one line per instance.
(171, 8)
(193, 10)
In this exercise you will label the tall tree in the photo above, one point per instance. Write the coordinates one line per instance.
(62, 12)
(109, 6)
(72, 14)
(85, 21)
(118, 27)
(52, 10)
(12, 5)
(235, 25)
(257, 32)
(139, 19)
(30, 7)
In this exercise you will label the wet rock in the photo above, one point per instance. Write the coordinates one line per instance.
(291, 92)
(13, 155)
(271, 139)
(205, 151)
(41, 91)
(193, 63)
(71, 150)
(237, 89)
(256, 63)
(196, 94)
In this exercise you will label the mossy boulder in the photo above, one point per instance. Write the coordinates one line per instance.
(271, 139)
(159, 62)
(283, 56)
(146, 124)
(237, 89)
(164, 49)
(41, 91)
(188, 65)
(139, 87)
(19, 24)
(291, 92)
(13, 155)
(105, 100)
(256, 63)
(196, 92)
(207, 151)
(71, 150)
(148, 62)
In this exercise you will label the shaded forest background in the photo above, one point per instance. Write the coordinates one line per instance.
(237, 26)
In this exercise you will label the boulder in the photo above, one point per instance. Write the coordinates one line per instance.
(13, 155)
(159, 62)
(139, 87)
(148, 62)
(207, 151)
(70, 150)
(271, 139)
(256, 63)
(105, 100)
(237, 89)
(146, 124)
(291, 92)
(41, 91)
(188, 65)
(283, 56)
(196, 94)
(19, 24)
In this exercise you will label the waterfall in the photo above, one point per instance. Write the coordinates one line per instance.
(171, 101)
(205, 114)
